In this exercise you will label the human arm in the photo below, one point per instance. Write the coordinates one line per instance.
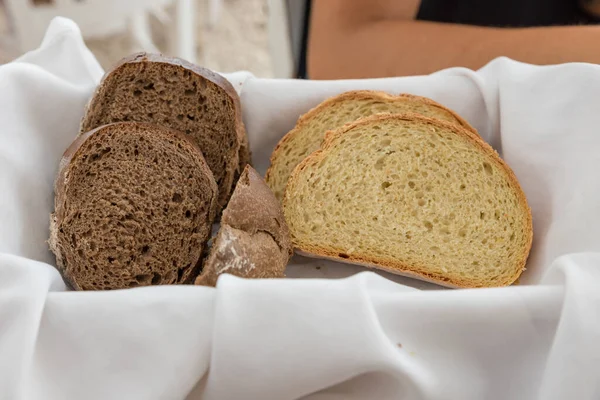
(364, 38)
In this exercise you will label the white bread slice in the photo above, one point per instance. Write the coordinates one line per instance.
(333, 113)
(413, 196)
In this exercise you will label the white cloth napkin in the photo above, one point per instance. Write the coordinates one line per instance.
(361, 337)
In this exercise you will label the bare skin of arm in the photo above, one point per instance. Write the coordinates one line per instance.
(378, 38)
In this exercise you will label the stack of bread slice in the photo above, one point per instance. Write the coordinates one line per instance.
(402, 184)
(309, 132)
(174, 93)
(160, 149)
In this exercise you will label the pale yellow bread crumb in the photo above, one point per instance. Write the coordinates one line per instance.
(310, 130)
(414, 196)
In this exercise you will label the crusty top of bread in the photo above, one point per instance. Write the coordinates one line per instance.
(253, 241)
(334, 112)
(446, 114)
(413, 196)
(253, 208)
(177, 94)
(134, 206)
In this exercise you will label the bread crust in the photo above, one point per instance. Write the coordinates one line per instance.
(355, 95)
(56, 218)
(253, 208)
(393, 266)
(254, 239)
(244, 155)
(408, 274)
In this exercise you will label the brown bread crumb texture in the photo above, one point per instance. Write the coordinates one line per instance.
(173, 93)
(134, 206)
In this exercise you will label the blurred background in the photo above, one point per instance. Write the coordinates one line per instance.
(236, 38)
(318, 39)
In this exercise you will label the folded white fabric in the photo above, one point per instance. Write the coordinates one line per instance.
(355, 338)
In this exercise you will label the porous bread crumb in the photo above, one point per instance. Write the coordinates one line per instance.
(414, 196)
(134, 206)
(308, 134)
(175, 94)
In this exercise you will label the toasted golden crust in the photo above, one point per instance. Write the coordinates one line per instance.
(374, 95)
(393, 266)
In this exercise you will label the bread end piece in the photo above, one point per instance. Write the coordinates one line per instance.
(179, 95)
(253, 241)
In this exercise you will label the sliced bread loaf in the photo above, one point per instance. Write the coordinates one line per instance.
(176, 94)
(413, 196)
(134, 206)
(334, 112)
(253, 241)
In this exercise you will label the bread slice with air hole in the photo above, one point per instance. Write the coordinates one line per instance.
(309, 132)
(412, 196)
(134, 206)
(253, 241)
(176, 94)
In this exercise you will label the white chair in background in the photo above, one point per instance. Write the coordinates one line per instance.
(286, 30)
(101, 18)
(280, 41)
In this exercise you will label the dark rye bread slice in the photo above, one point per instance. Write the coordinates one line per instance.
(179, 95)
(134, 206)
(254, 240)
